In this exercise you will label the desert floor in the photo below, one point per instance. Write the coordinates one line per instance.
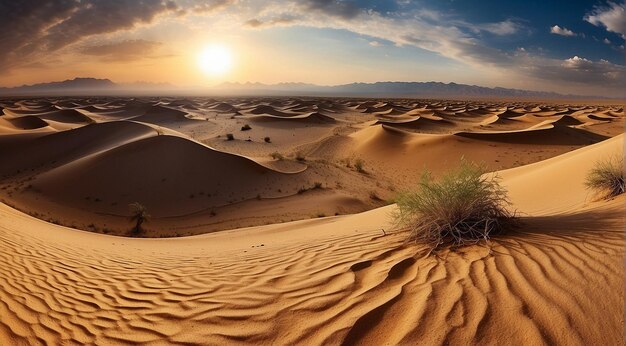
(291, 240)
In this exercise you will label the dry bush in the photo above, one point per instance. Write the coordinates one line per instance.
(607, 177)
(277, 156)
(139, 215)
(359, 165)
(463, 207)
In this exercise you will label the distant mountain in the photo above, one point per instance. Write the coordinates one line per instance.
(386, 89)
(94, 86)
(85, 86)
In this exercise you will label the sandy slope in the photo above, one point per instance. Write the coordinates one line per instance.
(559, 279)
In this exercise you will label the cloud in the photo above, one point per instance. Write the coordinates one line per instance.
(257, 23)
(337, 8)
(507, 27)
(557, 30)
(455, 39)
(122, 51)
(36, 28)
(211, 6)
(582, 71)
(612, 17)
(32, 29)
(374, 43)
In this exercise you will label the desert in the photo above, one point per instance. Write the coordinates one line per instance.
(312, 172)
(259, 239)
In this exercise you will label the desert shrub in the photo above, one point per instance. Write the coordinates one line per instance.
(139, 215)
(359, 165)
(317, 185)
(246, 127)
(463, 207)
(300, 156)
(230, 137)
(607, 177)
(267, 140)
(277, 156)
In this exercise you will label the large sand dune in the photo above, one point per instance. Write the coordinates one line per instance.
(558, 279)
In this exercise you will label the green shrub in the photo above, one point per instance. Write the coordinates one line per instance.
(607, 177)
(463, 207)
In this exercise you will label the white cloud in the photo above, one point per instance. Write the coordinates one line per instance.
(507, 27)
(557, 30)
(612, 17)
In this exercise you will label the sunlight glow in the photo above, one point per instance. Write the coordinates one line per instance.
(215, 60)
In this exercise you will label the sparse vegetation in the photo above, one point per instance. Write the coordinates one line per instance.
(317, 185)
(607, 177)
(277, 156)
(230, 137)
(300, 156)
(359, 165)
(246, 127)
(465, 206)
(139, 215)
(267, 140)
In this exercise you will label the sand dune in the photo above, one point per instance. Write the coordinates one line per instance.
(340, 280)
(28, 122)
(162, 115)
(313, 117)
(66, 116)
(69, 146)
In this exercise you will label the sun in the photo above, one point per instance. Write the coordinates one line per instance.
(215, 60)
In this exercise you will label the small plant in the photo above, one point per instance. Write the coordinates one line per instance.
(465, 206)
(246, 127)
(300, 156)
(607, 177)
(321, 215)
(277, 156)
(267, 140)
(317, 185)
(139, 215)
(358, 164)
(230, 137)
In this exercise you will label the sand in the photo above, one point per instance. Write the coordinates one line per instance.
(349, 279)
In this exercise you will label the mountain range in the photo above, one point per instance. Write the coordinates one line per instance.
(94, 86)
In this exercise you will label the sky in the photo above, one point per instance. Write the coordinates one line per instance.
(569, 47)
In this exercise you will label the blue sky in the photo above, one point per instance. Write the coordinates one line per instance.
(563, 46)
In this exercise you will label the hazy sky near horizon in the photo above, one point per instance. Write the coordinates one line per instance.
(563, 46)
